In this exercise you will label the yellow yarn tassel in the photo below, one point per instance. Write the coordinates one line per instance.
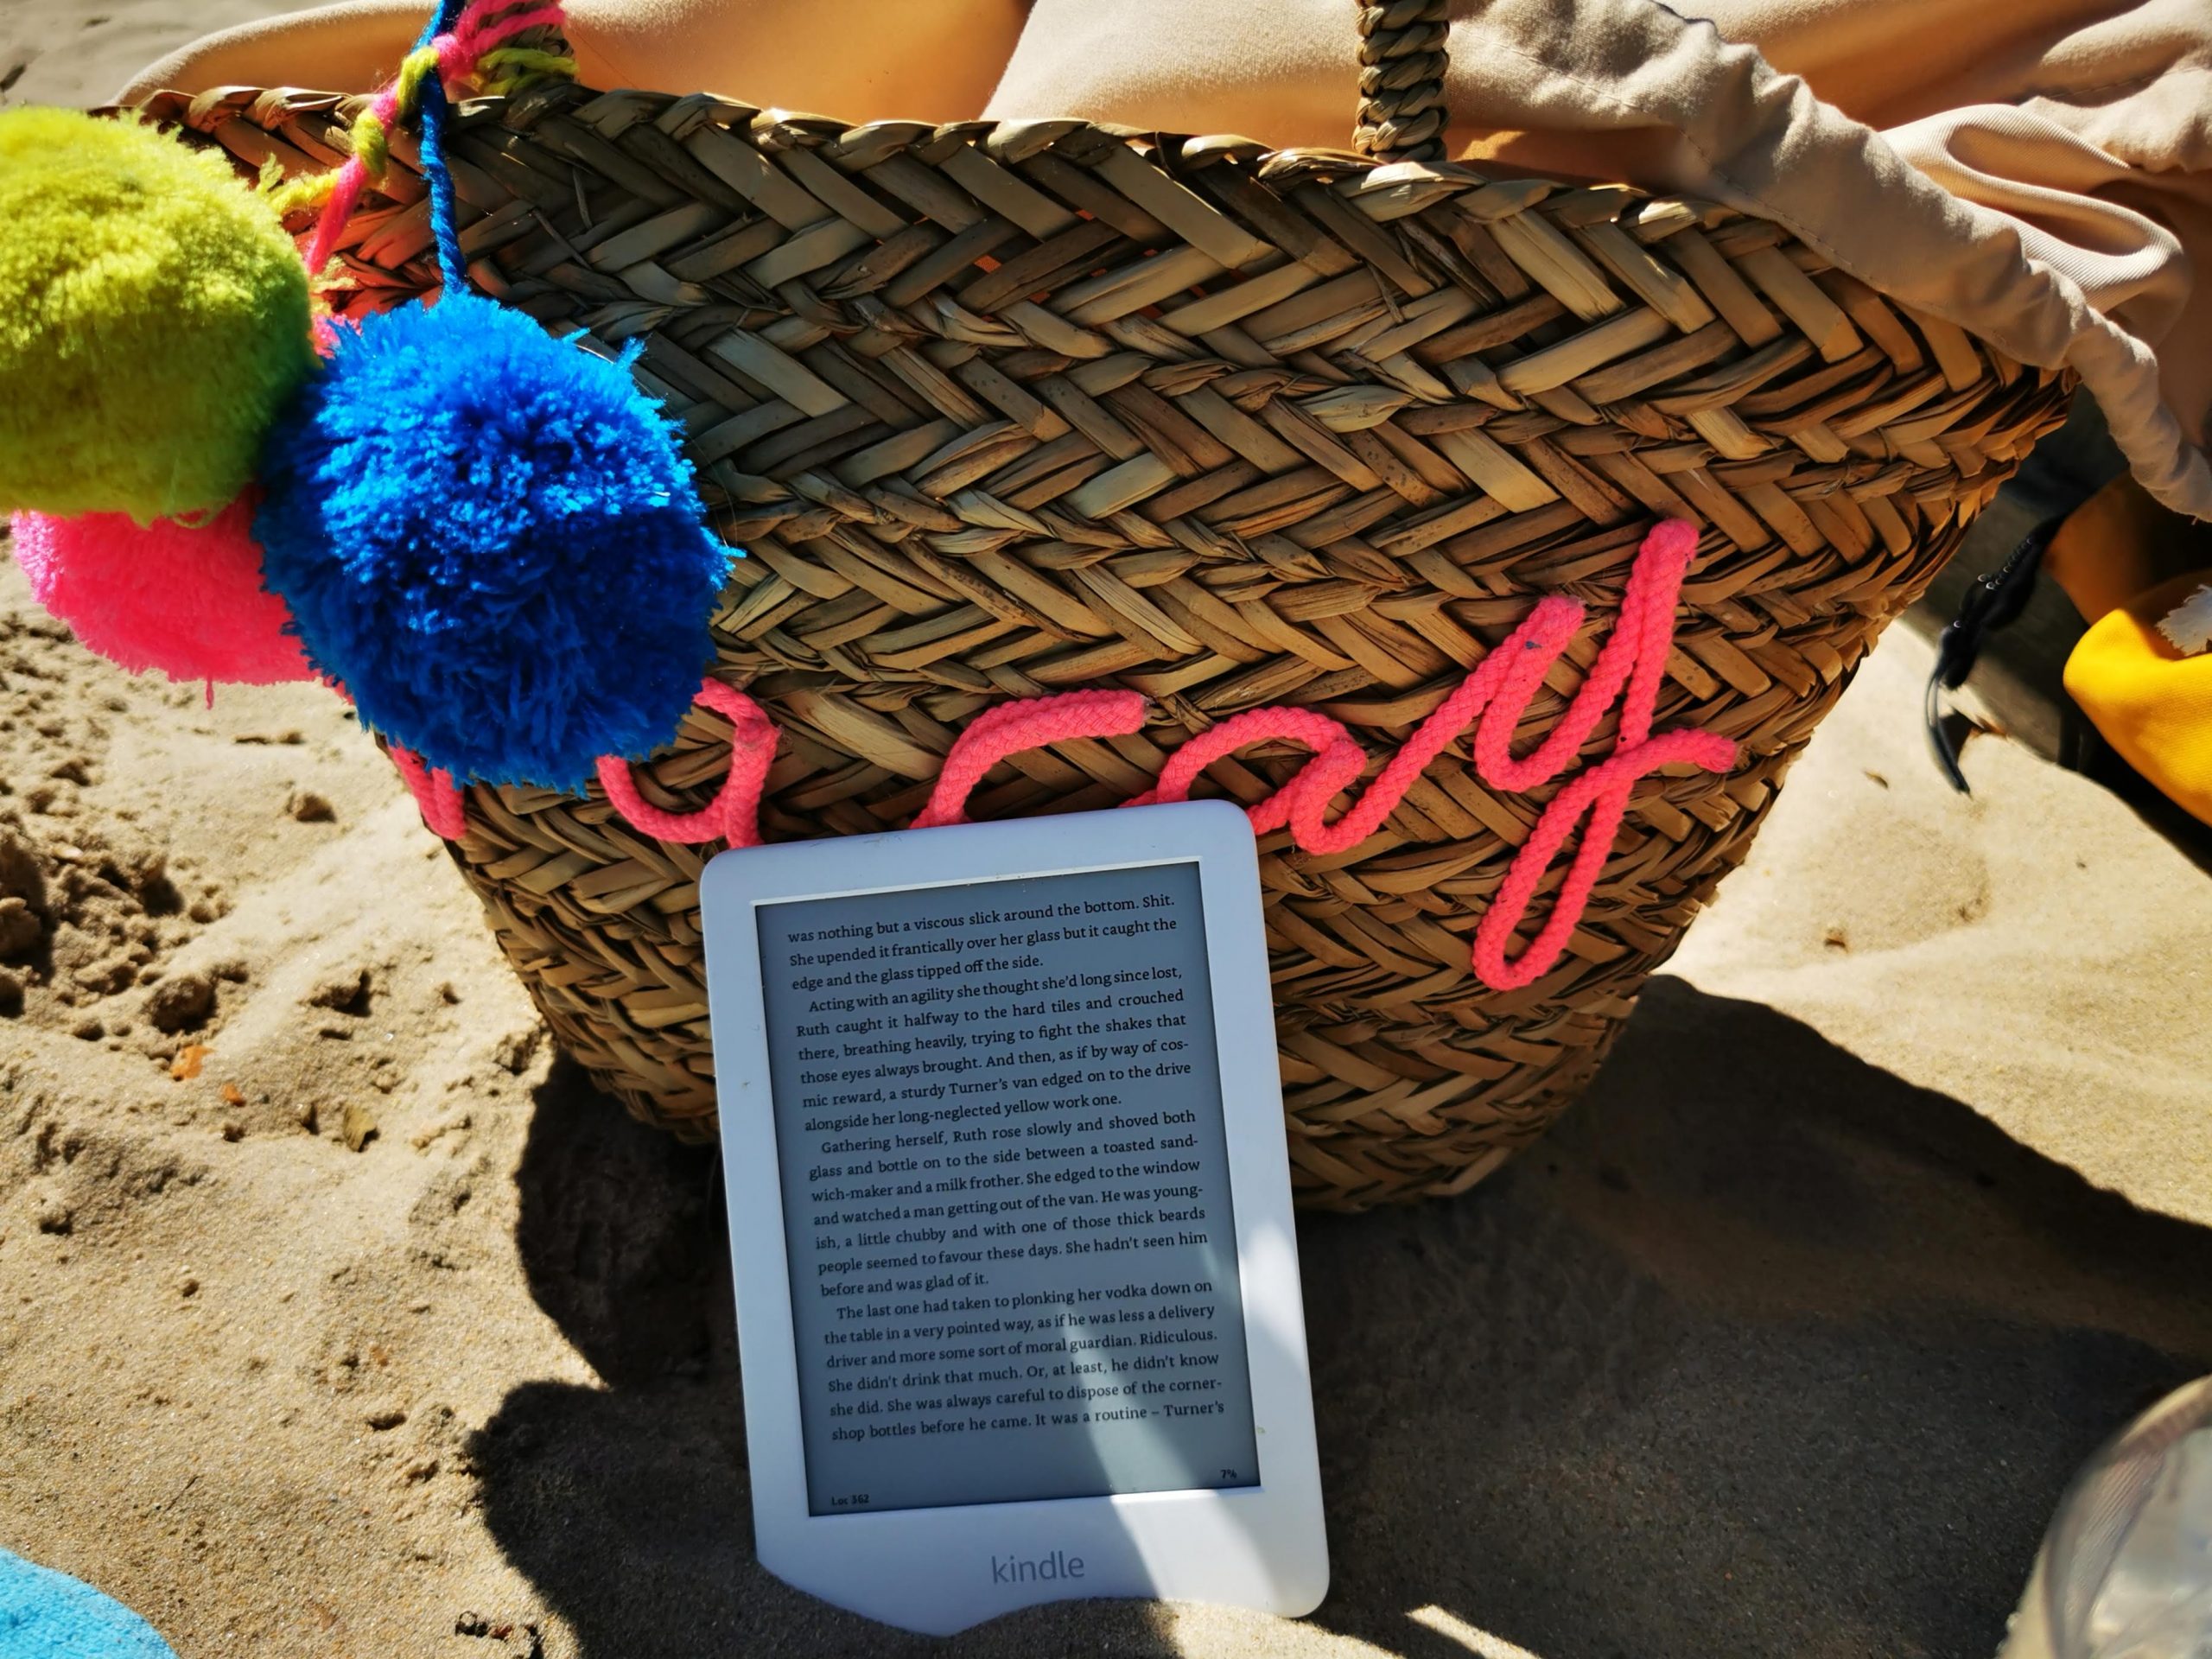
(420, 66)
(503, 72)
(508, 69)
(369, 141)
(289, 196)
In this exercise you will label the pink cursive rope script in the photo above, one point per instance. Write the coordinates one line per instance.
(733, 815)
(1492, 699)
(1010, 728)
(436, 796)
(1629, 669)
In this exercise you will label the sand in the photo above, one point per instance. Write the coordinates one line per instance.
(381, 1334)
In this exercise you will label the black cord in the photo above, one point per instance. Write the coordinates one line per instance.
(1994, 602)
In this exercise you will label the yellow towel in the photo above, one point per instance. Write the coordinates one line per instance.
(2125, 564)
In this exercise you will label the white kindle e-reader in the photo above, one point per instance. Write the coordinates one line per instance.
(1017, 1283)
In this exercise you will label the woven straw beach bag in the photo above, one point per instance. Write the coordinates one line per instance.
(1003, 410)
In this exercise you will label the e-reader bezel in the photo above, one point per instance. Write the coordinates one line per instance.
(932, 1570)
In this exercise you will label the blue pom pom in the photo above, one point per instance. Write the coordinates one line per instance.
(490, 539)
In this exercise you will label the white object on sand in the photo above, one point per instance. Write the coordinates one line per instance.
(1009, 1201)
(2188, 626)
(2126, 1571)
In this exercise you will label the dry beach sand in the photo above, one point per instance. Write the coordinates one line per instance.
(383, 1335)
(380, 1334)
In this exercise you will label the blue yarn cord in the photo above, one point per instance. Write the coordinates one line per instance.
(453, 268)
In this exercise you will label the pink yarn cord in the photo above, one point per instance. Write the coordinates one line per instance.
(1335, 756)
(733, 815)
(1604, 793)
(1635, 656)
(1629, 670)
(480, 28)
(437, 796)
(1631, 663)
(344, 198)
(1011, 727)
(483, 27)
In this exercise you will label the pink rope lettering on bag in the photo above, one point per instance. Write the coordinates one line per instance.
(1631, 665)
(436, 796)
(1498, 692)
(1528, 649)
(1604, 793)
(1335, 756)
(1011, 727)
(1492, 699)
(734, 813)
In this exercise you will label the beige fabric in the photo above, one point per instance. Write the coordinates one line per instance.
(857, 60)
(2042, 173)
(2041, 181)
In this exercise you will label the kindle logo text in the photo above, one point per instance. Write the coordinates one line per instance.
(1011, 1569)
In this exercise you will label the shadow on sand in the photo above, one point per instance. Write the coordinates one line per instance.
(1763, 1351)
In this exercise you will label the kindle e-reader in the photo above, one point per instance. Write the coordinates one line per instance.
(1017, 1283)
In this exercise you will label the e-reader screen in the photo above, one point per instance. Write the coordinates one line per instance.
(1007, 1212)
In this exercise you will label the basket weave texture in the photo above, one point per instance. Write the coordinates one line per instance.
(1003, 410)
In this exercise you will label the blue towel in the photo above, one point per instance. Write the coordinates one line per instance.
(47, 1615)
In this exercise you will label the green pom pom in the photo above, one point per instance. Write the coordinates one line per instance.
(153, 318)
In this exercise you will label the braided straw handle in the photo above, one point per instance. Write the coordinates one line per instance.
(1401, 62)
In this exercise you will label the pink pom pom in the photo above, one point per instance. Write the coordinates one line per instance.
(188, 601)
